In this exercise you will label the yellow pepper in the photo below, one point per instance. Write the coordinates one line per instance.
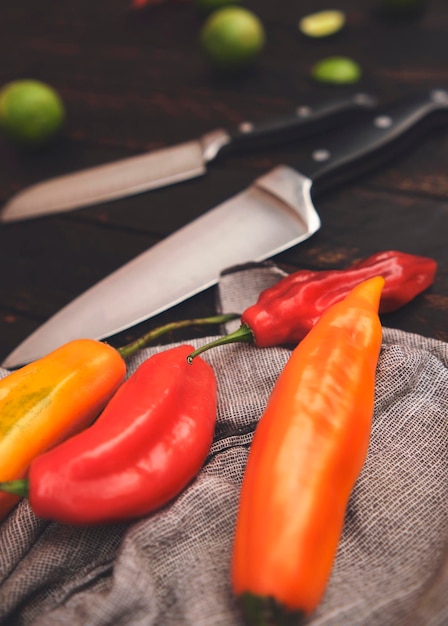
(51, 399)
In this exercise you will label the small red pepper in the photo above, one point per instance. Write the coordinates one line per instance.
(286, 312)
(146, 446)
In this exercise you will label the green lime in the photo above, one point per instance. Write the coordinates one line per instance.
(31, 112)
(212, 5)
(337, 70)
(322, 24)
(232, 37)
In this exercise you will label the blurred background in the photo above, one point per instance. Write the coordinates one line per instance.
(137, 78)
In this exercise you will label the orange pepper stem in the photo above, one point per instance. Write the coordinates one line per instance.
(241, 334)
(266, 611)
(15, 487)
(131, 348)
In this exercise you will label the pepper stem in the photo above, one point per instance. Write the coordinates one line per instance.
(241, 334)
(16, 487)
(133, 347)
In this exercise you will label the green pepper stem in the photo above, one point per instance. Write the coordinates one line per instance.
(131, 348)
(16, 487)
(241, 334)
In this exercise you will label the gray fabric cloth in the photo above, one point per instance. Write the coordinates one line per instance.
(172, 568)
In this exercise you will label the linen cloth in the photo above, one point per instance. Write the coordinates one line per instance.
(172, 567)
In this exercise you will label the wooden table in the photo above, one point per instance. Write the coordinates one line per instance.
(135, 81)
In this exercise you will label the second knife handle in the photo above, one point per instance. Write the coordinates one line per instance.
(305, 121)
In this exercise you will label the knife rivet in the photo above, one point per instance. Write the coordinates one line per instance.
(321, 155)
(439, 95)
(303, 111)
(383, 121)
(362, 98)
(246, 127)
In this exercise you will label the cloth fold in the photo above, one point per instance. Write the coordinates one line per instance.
(172, 568)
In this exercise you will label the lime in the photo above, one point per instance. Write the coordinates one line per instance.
(322, 24)
(212, 5)
(31, 112)
(337, 70)
(232, 37)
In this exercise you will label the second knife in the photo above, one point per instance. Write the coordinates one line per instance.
(174, 164)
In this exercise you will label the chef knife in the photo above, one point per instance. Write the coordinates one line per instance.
(273, 214)
(176, 163)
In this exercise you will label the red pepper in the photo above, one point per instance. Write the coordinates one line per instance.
(286, 312)
(146, 446)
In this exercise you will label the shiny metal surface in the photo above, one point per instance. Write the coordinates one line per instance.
(275, 213)
(107, 182)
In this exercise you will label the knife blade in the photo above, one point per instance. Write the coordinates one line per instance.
(174, 164)
(273, 214)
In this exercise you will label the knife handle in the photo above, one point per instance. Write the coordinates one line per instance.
(305, 121)
(346, 152)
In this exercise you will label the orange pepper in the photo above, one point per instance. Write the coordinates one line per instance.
(308, 451)
(50, 399)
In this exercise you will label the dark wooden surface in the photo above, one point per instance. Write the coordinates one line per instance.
(132, 82)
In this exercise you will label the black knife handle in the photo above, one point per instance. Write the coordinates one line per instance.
(348, 151)
(305, 121)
